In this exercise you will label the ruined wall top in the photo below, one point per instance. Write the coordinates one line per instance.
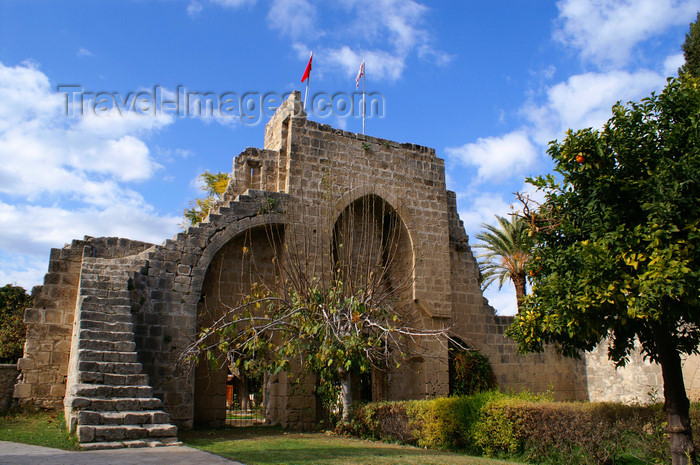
(276, 133)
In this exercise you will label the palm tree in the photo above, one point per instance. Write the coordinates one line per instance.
(507, 251)
(214, 184)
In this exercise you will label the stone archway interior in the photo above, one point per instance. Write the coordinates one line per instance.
(247, 259)
(373, 256)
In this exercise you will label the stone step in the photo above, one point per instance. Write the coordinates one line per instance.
(150, 442)
(111, 317)
(129, 417)
(109, 336)
(119, 346)
(110, 367)
(107, 433)
(124, 404)
(90, 355)
(108, 392)
(101, 325)
(112, 379)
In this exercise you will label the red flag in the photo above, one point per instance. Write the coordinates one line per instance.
(360, 73)
(307, 71)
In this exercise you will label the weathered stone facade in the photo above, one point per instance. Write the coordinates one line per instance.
(8, 378)
(153, 298)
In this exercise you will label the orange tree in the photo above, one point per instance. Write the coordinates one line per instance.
(617, 244)
(14, 300)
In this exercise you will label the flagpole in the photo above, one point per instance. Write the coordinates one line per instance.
(307, 77)
(364, 76)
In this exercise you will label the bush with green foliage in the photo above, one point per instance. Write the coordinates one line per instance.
(523, 426)
(572, 433)
(471, 373)
(14, 300)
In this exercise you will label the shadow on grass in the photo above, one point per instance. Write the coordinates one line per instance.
(273, 446)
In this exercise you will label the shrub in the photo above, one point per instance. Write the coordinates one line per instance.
(382, 420)
(447, 423)
(471, 372)
(572, 433)
(14, 300)
(527, 426)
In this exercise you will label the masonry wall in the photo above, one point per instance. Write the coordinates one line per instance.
(639, 381)
(329, 169)
(44, 366)
(8, 377)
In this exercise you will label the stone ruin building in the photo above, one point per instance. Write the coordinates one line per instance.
(112, 314)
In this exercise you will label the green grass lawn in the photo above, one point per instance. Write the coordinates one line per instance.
(46, 429)
(251, 445)
(272, 446)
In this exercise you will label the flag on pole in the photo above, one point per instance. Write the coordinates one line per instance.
(307, 71)
(360, 73)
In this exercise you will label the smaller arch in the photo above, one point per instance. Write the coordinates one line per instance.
(223, 236)
(249, 258)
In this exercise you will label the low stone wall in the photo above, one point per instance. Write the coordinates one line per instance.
(638, 382)
(8, 377)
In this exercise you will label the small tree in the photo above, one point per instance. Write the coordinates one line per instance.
(14, 300)
(507, 251)
(214, 184)
(617, 244)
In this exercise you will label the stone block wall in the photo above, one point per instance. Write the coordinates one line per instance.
(8, 378)
(44, 366)
(639, 381)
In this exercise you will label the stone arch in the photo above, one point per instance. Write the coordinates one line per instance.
(236, 258)
(223, 236)
(370, 236)
(394, 203)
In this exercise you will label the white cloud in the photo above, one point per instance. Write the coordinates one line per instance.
(503, 301)
(22, 270)
(233, 3)
(21, 232)
(672, 63)
(293, 18)
(606, 31)
(496, 157)
(77, 156)
(83, 52)
(379, 64)
(476, 210)
(194, 8)
(67, 177)
(397, 24)
(585, 100)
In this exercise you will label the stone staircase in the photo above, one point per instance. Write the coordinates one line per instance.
(109, 402)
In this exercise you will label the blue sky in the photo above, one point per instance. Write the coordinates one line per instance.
(487, 84)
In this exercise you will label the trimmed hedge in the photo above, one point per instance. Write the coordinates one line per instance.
(523, 426)
(571, 433)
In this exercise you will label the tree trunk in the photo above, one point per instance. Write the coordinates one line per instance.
(520, 290)
(243, 394)
(346, 394)
(677, 405)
